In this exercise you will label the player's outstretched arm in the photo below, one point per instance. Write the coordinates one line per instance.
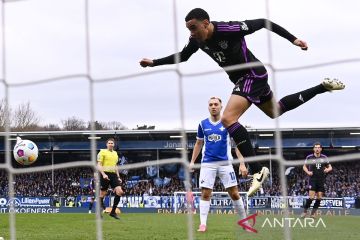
(146, 62)
(301, 43)
(257, 24)
(182, 56)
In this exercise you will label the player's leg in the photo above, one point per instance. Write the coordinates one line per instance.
(319, 195)
(235, 108)
(228, 178)
(115, 184)
(293, 101)
(206, 179)
(238, 204)
(102, 196)
(247, 90)
(91, 203)
(204, 208)
(308, 203)
(104, 186)
(237, 201)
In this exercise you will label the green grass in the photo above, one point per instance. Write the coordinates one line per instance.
(165, 226)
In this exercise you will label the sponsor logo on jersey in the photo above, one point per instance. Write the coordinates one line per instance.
(214, 137)
(219, 56)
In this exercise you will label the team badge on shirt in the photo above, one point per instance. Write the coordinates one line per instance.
(223, 44)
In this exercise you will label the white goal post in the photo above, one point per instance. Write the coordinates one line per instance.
(219, 200)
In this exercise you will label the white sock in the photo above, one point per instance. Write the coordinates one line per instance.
(239, 207)
(204, 211)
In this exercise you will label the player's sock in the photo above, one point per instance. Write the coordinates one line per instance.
(295, 100)
(204, 211)
(307, 204)
(239, 207)
(316, 206)
(90, 206)
(243, 143)
(116, 202)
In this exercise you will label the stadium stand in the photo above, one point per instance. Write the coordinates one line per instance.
(343, 181)
(139, 146)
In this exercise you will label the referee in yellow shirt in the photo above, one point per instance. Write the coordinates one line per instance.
(107, 160)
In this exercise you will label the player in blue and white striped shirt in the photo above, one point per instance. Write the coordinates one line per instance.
(216, 160)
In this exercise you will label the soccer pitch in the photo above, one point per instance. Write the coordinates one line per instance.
(166, 226)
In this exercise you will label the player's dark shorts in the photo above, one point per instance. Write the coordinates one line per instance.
(254, 88)
(113, 182)
(316, 185)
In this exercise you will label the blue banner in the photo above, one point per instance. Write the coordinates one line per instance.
(26, 202)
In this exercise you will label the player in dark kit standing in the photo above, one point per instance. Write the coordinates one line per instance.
(316, 166)
(224, 42)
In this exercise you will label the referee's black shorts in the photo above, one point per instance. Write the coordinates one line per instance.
(316, 185)
(113, 181)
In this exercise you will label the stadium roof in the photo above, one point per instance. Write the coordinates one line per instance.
(162, 139)
(339, 130)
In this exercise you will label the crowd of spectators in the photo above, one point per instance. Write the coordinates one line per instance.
(343, 181)
(63, 182)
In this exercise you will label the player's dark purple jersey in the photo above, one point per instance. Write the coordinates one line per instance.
(317, 165)
(227, 46)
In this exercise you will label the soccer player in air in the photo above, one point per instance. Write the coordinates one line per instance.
(316, 167)
(109, 175)
(214, 140)
(225, 43)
